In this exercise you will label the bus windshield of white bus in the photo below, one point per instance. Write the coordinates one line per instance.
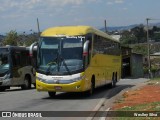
(4, 61)
(60, 55)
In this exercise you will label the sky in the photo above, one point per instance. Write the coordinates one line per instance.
(21, 15)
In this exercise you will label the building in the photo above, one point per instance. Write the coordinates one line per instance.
(132, 63)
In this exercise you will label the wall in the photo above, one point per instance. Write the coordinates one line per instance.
(136, 65)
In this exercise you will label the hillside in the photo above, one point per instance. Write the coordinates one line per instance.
(119, 28)
(142, 48)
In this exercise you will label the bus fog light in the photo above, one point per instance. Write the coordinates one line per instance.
(77, 87)
(40, 87)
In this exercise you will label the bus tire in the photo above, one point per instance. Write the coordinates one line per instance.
(52, 94)
(92, 87)
(27, 83)
(2, 89)
(34, 84)
(113, 80)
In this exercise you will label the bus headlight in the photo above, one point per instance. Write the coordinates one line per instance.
(41, 79)
(7, 76)
(77, 79)
(70, 80)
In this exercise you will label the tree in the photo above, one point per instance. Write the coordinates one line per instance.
(139, 33)
(157, 36)
(11, 38)
(31, 39)
(128, 38)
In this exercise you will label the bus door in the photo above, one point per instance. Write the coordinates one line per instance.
(16, 67)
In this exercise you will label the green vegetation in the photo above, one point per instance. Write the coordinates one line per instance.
(156, 78)
(143, 49)
(138, 35)
(154, 106)
(11, 38)
(15, 39)
(136, 38)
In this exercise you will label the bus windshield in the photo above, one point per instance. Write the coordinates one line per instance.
(60, 55)
(4, 62)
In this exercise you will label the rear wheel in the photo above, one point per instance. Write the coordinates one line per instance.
(34, 84)
(27, 83)
(114, 80)
(113, 83)
(52, 94)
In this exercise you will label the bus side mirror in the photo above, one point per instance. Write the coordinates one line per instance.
(85, 48)
(31, 48)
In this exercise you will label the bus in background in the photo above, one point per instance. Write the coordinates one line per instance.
(16, 68)
(76, 59)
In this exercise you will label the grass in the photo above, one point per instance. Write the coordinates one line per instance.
(143, 107)
(154, 106)
(156, 78)
(154, 81)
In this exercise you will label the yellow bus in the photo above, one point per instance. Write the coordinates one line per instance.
(76, 59)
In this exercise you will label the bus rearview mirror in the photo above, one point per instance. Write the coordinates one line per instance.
(85, 48)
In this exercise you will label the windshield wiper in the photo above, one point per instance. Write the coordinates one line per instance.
(54, 62)
(63, 60)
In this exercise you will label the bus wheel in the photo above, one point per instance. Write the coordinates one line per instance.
(34, 84)
(2, 89)
(113, 80)
(92, 87)
(52, 94)
(27, 83)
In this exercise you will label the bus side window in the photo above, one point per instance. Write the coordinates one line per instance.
(25, 58)
(16, 58)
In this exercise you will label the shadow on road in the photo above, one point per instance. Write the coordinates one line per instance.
(15, 89)
(99, 93)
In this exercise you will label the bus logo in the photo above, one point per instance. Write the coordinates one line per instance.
(6, 114)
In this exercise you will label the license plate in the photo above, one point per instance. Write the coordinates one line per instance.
(58, 87)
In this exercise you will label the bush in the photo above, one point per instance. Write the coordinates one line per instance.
(145, 70)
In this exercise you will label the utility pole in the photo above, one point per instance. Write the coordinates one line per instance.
(148, 44)
(105, 24)
(38, 27)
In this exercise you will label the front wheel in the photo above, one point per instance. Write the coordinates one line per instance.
(92, 87)
(2, 89)
(27, 84)
(52, 94)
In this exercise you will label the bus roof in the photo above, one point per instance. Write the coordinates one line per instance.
(74, 31)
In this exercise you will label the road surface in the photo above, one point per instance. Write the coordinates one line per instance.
(19, 100)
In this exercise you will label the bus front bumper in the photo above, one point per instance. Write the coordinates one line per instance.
(72, 87)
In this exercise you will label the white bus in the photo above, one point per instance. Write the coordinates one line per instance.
(16, 68)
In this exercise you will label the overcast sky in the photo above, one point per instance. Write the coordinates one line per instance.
(21, 15)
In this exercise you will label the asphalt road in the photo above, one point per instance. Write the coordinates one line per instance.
(16, 99)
